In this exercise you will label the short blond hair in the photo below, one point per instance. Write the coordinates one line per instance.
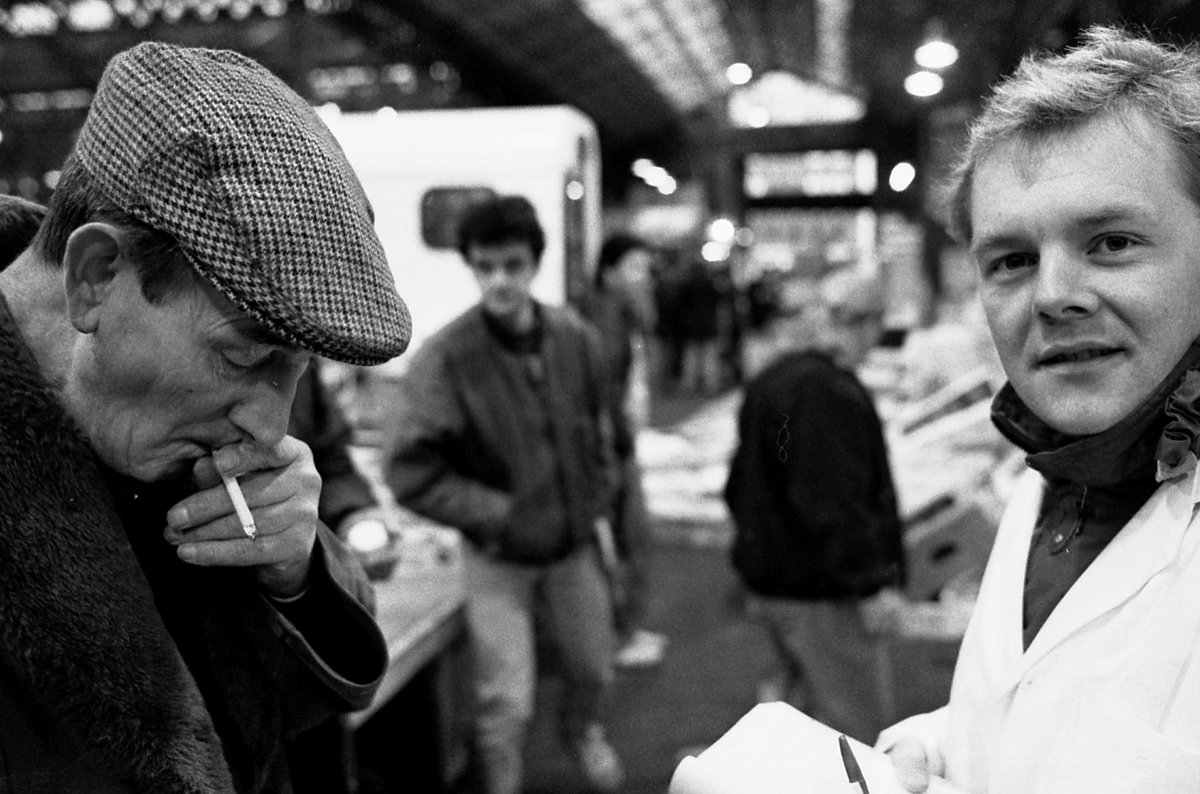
(1113, 70)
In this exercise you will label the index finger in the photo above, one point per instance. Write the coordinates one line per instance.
(204, 506)
(248, 456)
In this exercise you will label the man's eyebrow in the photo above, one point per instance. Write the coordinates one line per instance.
(1001, 240)
(260, 334)
(1099, 217)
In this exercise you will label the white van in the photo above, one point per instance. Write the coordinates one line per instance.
(420, 169)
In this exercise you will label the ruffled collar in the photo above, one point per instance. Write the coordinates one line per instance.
(1159, 439)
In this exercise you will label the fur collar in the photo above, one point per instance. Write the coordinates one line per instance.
(79, 629)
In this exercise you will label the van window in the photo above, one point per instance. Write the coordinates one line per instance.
(441, 209)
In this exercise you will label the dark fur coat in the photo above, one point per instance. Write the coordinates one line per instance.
(122, 669)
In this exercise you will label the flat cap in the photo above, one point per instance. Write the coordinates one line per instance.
(211, 148)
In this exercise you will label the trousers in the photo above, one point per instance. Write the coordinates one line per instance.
(833, 668)
(512, 610)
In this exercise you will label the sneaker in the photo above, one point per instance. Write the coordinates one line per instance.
(642, 649)
(598, 761)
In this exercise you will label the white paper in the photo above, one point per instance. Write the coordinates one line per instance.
(775, 749)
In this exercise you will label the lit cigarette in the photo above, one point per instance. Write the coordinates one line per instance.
(239, 504)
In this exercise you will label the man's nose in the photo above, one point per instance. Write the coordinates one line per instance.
(1063, 288)
(263, 413)
(497, 278)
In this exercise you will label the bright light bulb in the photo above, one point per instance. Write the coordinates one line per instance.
(739, 73)
(721, 230)
(713, 251)
(936, 54)
(923, 83)
(758, 117)
(901, 177)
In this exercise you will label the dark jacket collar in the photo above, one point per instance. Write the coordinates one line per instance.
(79, 628)
(1155, 440)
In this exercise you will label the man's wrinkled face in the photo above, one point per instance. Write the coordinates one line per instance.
(158, 385)
(505, 273)
(1087, 247)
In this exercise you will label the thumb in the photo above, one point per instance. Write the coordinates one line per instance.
(205, 474)
(912, 766)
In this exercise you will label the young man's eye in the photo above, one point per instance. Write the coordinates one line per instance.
(1112, 244)
(1009, 264)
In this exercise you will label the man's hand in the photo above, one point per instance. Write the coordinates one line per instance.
(281, 486)
(912, 765)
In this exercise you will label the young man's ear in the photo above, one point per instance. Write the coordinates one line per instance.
(90, 262)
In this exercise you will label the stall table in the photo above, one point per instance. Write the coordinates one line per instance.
(420, 609)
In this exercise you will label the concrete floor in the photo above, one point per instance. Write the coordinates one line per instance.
(716, 657)
(706, 682)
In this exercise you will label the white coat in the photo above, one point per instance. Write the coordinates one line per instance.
(1107, 697)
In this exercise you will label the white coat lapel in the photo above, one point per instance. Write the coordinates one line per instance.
(1142, 548)
(1001, 594)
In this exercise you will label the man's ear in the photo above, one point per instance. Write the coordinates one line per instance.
(90, 262)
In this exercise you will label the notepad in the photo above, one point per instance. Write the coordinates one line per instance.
(775, 749)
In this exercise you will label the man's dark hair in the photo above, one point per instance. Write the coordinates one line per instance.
(162, 267)
(614, 249)
(499, 220)
(19, 222)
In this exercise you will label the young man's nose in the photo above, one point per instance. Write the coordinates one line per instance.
(1062, 289)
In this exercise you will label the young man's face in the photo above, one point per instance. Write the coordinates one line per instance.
(1088, 253)
(157, 385)
(505, 273)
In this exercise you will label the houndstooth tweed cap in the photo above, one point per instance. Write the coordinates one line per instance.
(210, 147)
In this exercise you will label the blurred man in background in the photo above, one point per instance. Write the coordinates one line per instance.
(622, 308)
(817, 532)
(501, 432)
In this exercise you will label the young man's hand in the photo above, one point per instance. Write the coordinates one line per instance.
(912, 765)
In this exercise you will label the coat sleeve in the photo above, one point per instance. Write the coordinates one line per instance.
(426, 421)
(324, 649)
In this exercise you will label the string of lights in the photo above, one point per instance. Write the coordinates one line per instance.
(89, 16)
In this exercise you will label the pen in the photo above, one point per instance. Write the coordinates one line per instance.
(853, 772)
(239, 504)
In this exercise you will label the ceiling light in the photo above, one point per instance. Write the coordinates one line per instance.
(90, 15)
(923, 83)
(713, 251)
(902, 176)
(758, 117)
(655, 175)
(936, 52)
(722, 230)
(739, 73)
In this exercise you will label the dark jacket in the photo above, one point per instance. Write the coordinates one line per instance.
(124, 669)
(616, 319)
(809, 487)
(318, 421)
(511, 448)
